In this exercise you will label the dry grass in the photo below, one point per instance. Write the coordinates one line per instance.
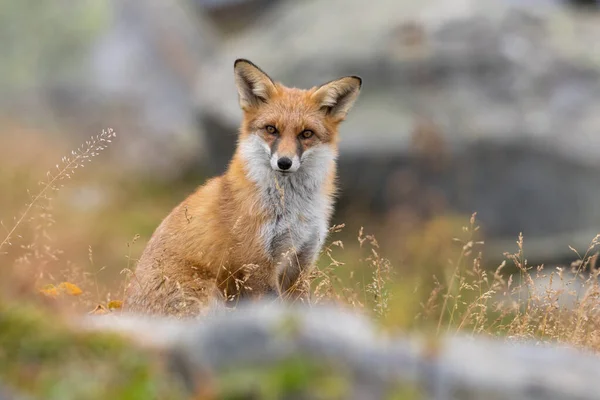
(429, 293)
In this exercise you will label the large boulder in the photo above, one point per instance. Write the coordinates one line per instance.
(326, 353)
(479, 105)
(273, 350)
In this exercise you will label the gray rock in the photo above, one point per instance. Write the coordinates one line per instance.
(217, 4)
(7, 393)
(488, 106)
(142, 72)
(232, 17)
(454, 367)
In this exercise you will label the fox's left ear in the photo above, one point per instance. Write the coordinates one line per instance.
(337, 97)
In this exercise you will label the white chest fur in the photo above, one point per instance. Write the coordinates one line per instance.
(299, 206)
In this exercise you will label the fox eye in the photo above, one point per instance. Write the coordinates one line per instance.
(271, 129)
(307, 134)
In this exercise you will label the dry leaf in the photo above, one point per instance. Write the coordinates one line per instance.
(50, 291)
(70, 289)
(115, 304)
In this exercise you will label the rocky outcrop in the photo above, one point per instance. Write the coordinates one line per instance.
(329, 353)
(487, 106)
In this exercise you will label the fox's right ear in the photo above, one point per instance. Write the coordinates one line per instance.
(254, 86)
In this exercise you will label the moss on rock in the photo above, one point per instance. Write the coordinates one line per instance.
(42, 357)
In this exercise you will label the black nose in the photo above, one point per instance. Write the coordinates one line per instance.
(284, 163)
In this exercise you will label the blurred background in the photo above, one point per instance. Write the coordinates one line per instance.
(487, 106)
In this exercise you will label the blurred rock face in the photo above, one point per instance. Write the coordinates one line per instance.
(486, 106)
(147, 62)
(129, 65)
(296, 351)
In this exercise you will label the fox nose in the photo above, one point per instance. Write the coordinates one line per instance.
(284, 163)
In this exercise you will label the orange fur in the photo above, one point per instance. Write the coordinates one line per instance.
(211, 246)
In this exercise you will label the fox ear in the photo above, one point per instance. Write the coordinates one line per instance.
(337, 97)
(254, 86)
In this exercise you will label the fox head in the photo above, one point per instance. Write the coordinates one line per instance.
(288, 129)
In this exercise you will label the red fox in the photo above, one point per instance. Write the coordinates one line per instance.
(253, 231)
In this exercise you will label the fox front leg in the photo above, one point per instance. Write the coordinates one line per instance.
(293, 270)
(246, 282)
